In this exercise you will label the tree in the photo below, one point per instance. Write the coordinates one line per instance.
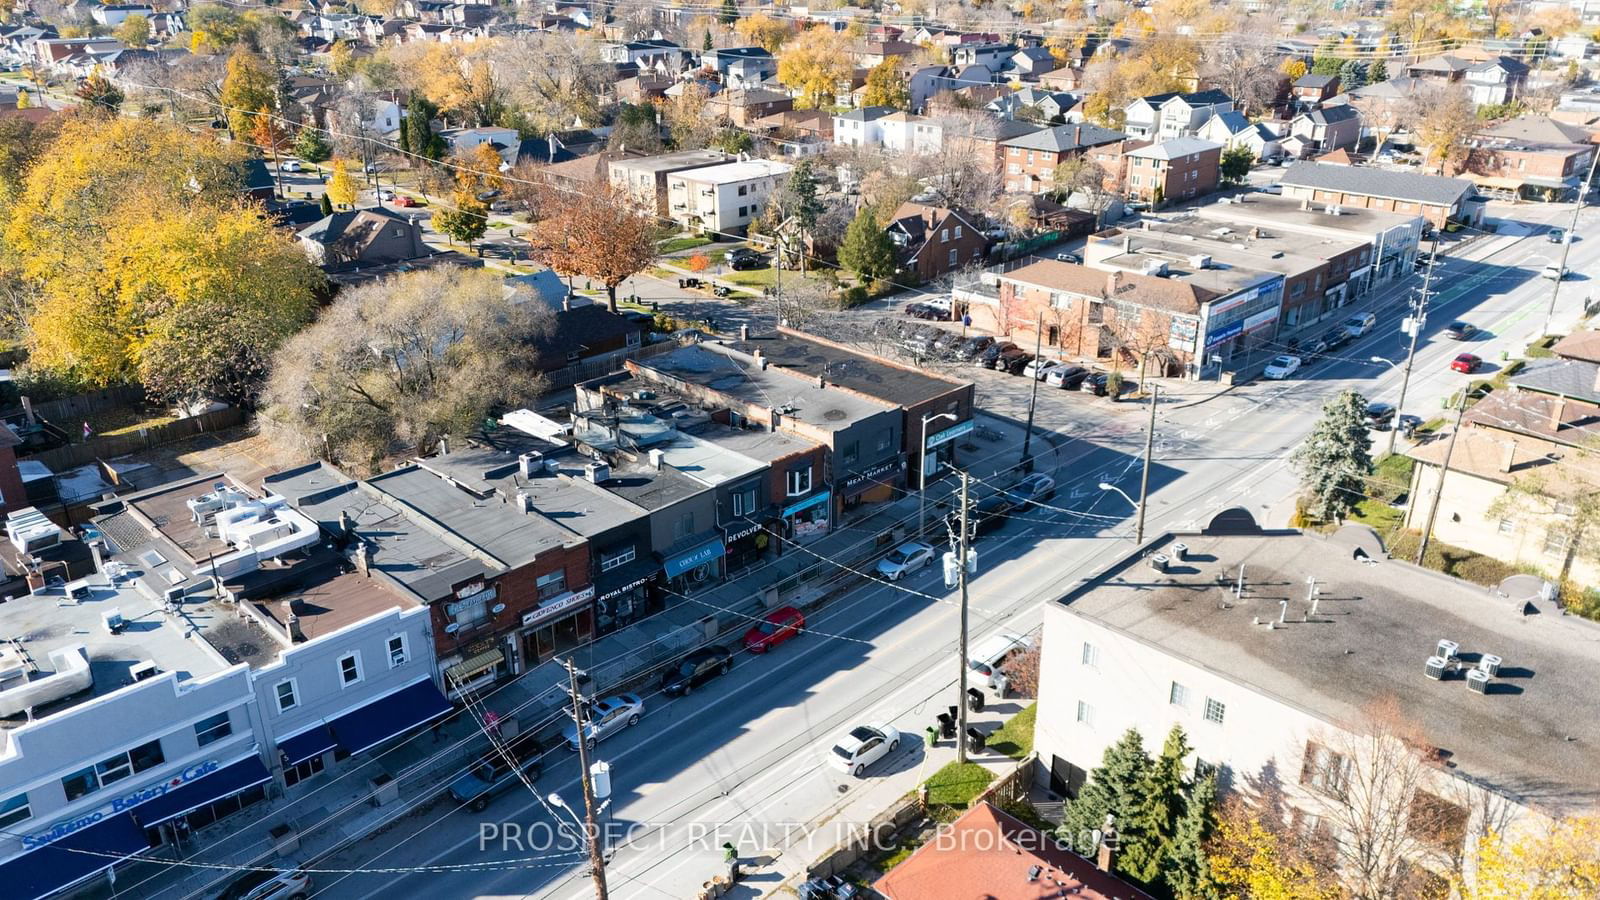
(815, 63)
(1112, 788)
(341, 188)
(462, 81)
(1561, 862)
(729, 13)
(1352, 75)
(1248, 860)
(24, 98)
(99, 94)
(1187, 871)
(1336, 459)
(1236, 163)
(311, 146)
(419, 136)
(732, 140)
(134, 31)
(479, 170)
(1326, 65)
(341, 59)
(564, 90)
(599, 235)
(796, 202)
(266, 134)
(401, 362)
(1442, 118)
(465, 219)
(1377, 72)
(1085, 179)
(763, 31)
(707, 44)
(1293, 69)
(250, 84)
(325, 205)
(1246, 69)
(22, 142)
(886, 86)
(867, 249)
(684, 115)
(1147, 833)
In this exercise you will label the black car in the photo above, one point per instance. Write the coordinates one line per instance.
(1336, 338)
(990, 357)
(973, 347)
(985, 516)
(1380, 415)
(695, 669)
(742, 259)
(1460, 331)
(1099, 383)
(1013, 361)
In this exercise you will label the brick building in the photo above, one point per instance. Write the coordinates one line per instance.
(1530, 170)
(1031, 159)
(1179, 169)
(1437, 199)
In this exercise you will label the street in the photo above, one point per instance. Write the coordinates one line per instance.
(745, 759)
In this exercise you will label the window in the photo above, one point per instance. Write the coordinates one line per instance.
(213, 729)
(852, 452)
(552, 584)
(958, 232)
(288, 697)
(1563, 508)
(683, 527)
(1091, 655)
(799, 481)
(1016, 151)
(1203, 768)
(80, 783)
(1506, 526)
(1178, 695)
(952, 258)
(14, 810)
(471, 611)
(1215, 710)
(1324, 769)
(944, 235)
(1555, 541)
(743, 189)
(114, 769)
(885, 438)
(744, 500)
(1085, 713)
(616, 557)
(349, 669)
(744, 211)
(92, 778)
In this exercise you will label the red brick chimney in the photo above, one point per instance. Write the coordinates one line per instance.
(1107, 857)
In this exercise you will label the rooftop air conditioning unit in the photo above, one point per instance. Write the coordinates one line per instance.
(597, 473)
(112, 621)
(1435, 667)
(1478, 681)
(530, 463)
(1448, 649)
(1489, 664)
(143, 670)
(1155, 267)
(1200, 261)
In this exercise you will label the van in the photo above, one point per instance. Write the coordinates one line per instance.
(985, 657)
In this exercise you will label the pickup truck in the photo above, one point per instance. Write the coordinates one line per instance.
(489, 778)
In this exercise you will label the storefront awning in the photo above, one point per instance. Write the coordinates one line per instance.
(678, 563)
(224, 782)
(473, 666)
(814, 500)
(616, 582)
(389, 717)
(73, 858)
(305, 745)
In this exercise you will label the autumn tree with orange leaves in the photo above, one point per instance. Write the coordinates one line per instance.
(599, 235)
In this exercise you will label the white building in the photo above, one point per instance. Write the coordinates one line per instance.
(903, 132)
(1270, 684)
(724, 199)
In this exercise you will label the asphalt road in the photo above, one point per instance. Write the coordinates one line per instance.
(750, 749)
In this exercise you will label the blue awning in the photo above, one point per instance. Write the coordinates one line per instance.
(388, 717)
(72, 858)
(303, 746)
(224, 782)
(699, 556)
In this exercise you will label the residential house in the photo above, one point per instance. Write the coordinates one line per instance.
(1028, 64)
(1311, 90)
(860, 126)
(1066, 78)
(645, 178)
(1445, 68)
(1497, 81)
(645, 54)
(993, 56)
(1544, 130)
(1160, 117)
(113, 15)
(925, 81)
(1031, 159)
(904, 133)
(1323, 130)
(1132, 649)
(1234, 129)
(741, 66)
(1580, 345)
(363, 237)
(875, 52)
(1385, 105)
(724, 199)
(1177, 169)
(1035, 104)
(931, 241)
(1437, 199)
(462, 141)
(1529, 170)
(984, 140)
(585, 334)
(744, 106)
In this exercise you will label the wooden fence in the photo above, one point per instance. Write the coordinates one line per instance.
(73, 455)
(65, 411)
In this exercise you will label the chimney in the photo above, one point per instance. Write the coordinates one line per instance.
(346, 524)
(364, 558)
(529, 464)
(1509, 460)
(525, 503)
(1127, 243)
(1107, 857)
(1077, 134)
(1113, 282)
(291, 623)
(566, 302)
(821, 382)
(1558, 408)
(744, 332)
(761, 361)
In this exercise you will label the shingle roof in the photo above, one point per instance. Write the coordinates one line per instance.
(1583, 345)
(867, 113)
(1567, 377)
(1442, 63)
(1144, 290)
(1330, 115)
(1205, 98)
(1311, 80)
(1543, 129)
(1431, 189)
(1233, 120)
(1066, 137)
(1175, 148)
(1512, 66)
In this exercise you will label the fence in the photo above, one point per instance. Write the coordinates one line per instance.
(74, 455)
(80, 406)
(605, 364)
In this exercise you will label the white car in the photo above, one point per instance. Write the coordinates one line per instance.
(1359, 324)
(386, 195)
(606, 717)
(985, 657)
(906, 558)
(264, 884)
(863, 746)
(290, 165)
(1282, 367)
(1040, 367)
(1554, 273)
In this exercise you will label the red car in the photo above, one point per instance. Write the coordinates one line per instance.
(403, 200)
(779, 625)
(1466, 362)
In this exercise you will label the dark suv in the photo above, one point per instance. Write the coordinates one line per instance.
(695, 669)
(986, 515)
(492, 776)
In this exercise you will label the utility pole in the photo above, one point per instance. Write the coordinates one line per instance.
(597, 863)
(1444, 471)
(1419, 315)
(1027, 435)
(1566, 241)
(961, 573)
(1144, 480)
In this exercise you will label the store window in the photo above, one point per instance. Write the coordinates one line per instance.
(14, 810)
(472, 611)
(397, 651)
(109, 771)
(744, 501)
(296, 774)
(799, 481)
(288, 697)
(615, 557)
(552, 584)
(213, 729)
(683, 526)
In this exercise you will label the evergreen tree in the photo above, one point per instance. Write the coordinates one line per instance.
(1147, 833)
(326, 204)
(312, 147)
(1336, 459)
(800, 196)
(1352, 75)
(1377, 72)
(1326, 65)
(1187, 872)
(867, 249)
(706, 44)
(1236, 163)
(420, 136)
(1112, 787)
(730, 12)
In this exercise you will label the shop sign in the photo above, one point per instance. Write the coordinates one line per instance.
(559, 604)
(699, 556)
(636, 583)
(471, 589)
(741, 529)
(1224, 334)
(950, 434)
(120, 804)
(873, 473)
(802, 506)
(1265, 317)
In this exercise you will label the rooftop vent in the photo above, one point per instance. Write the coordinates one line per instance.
(1489, 664)
(1448, 649)
(1200, 261)
(1154, 267)
(529, 464)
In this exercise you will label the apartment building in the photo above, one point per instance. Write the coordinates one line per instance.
(726, 198)
(1030, 159)
(1178, 169)
(644, 179)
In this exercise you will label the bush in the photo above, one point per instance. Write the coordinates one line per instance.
(1484, 570)
(854, 296)
(698, 263)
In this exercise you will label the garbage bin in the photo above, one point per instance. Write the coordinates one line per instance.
(974, 700)
(947, 725)
(932, 735)
(1180, 551)
(975, 740)
(1159, 562)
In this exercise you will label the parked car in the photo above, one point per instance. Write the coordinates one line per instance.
(992, 354)
(696, 669)
(972, 348)
(1016, 362)
(905, 559)
(500, 206)
(492, 776)
(740, 262)
(780, 625)
(985, 516)
(486, 196)
(863, 746)
(1359, 324)
(986, 656)
(1408, 424)
(290, 165)
(1466, 362)
(1099, 381)
(1335, 339)
(1555, 236)
(1313, 347)
(404, 200)
(1037, 488)
(1282, 367)
(1380, 415)
(1038, 368)
(265, 884)
(1073, 258)
(1068, 377)
(606, 717)
(385, 195)
(1459, 330)
(1554, 273)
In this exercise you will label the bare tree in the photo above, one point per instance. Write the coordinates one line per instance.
(954, 174)
(1245, 66)
(566, 88)
(1442, 119)
(1082, 183)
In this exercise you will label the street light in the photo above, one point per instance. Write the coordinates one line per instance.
(1397, 411)
(922, 471)
(1137, 506)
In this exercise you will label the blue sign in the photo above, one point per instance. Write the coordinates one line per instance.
(1228, 331)
(119, 804)
(806, 503)
(950, 434)
(699, 556)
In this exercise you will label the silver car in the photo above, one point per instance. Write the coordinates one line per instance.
(605, 718)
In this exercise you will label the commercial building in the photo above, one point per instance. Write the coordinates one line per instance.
(1526, 169)
(1437, 199)
(645, 179)
(726, 198)
(1297, 664)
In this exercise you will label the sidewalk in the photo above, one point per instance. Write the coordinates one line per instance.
(331, 812)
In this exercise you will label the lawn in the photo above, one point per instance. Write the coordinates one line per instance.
(756, 278)
(679, 244)
(1015, 737)
(127, 419)
(957, 784)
